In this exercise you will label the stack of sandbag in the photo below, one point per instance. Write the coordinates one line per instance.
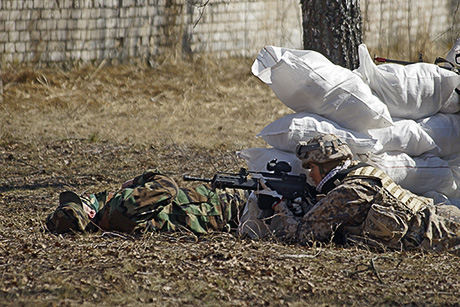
(424, 93)
(325, 98)
(400, 118)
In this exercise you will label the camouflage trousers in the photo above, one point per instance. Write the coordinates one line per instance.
(153, 202)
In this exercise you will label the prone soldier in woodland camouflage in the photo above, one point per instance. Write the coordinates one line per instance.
(357, 201)
(149, 202)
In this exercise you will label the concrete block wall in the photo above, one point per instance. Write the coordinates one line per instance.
(53, 31)
(411, 27)
(242, 28)
(47, 31)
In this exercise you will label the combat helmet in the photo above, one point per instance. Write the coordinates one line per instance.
(322, 149)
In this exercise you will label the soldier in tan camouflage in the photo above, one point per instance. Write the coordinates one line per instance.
(149, 202)
(356, 201)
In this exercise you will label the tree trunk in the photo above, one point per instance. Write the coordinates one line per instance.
(333, 28)
(1, 86)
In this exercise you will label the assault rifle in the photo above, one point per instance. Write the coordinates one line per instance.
(277, 179)
(385, 60)
(437, 61)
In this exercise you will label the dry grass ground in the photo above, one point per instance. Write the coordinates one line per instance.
(90, 128)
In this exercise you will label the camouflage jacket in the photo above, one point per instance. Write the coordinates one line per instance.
(365, 204)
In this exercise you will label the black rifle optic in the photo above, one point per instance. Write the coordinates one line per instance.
(277, 179)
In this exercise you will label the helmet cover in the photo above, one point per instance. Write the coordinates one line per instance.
(322, 149)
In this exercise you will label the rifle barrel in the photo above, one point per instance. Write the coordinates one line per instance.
(385, 60)
(191, 178)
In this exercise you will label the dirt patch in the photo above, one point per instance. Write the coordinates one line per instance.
(92, 128)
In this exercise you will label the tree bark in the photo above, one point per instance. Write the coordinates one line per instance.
(1, 85)
(333, 28)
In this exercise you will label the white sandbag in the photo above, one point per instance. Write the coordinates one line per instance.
(252, 226)
(410, 91)
(417, 174)
(453, 55)
(454, 164)
(405, 136)
(452, 105)
(444, 129)
(284, 133)
(439, 198)
(257, 158)
(305, 80)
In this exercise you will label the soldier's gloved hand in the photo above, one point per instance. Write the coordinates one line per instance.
(266, 197)
(296, 206)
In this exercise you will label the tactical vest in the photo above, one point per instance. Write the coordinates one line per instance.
(410, 201)
(391, 212)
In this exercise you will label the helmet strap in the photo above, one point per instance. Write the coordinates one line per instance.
(322, 171)
(325, 168)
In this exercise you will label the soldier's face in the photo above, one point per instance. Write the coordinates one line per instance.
(315, 174)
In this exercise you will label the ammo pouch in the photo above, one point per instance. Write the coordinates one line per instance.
(391, 212)
(389, 219)
(386, 224)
